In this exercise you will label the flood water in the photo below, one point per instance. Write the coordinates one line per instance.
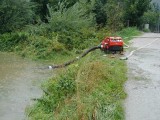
(20, 81)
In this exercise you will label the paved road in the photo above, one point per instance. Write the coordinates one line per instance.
(143, 85)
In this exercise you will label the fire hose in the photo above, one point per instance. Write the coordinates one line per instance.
(94, 48)
(75, 59)
(131, 53)
(79, 57)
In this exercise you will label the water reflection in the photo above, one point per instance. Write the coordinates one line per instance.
(19, 82)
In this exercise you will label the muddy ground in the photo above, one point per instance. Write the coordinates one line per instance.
(143, 85)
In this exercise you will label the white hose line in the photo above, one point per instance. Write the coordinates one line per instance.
(131, 53)
(127, 46)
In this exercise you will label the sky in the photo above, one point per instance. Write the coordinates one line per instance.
(157, 1)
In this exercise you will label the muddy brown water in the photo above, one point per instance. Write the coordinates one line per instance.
(143, 85)
(20, 81)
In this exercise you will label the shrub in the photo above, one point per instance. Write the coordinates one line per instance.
(9, 40)
(42, 47)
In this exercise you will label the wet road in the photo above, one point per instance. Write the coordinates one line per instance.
(19, 83)
(143, 85)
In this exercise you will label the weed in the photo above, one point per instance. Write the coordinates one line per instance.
(90, 89)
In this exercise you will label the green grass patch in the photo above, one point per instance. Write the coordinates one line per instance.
(90, 89)
(128, 33)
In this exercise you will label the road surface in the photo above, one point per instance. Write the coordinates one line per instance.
(143, 85)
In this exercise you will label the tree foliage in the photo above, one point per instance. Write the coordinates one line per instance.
(111, 13)
(14, 14)
(73, 18)
(42, 9)
(69, 22)
(134, 10)
(151, 17)
(115, 13)
(100, 12)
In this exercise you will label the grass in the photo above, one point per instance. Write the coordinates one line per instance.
(90, 89)
(95, 91)
(128, 33)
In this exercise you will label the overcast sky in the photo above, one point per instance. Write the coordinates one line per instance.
(157, 1)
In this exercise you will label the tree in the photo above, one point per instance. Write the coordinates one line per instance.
(115, 14)
(134, 10)
(42, 10)
(152, 17)
(67, 3)
(100, 12)
(14, 14)
(69, 23)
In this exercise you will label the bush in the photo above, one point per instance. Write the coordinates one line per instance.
(42, 48)
(15, 14)
(69, 24)
(33, 46)
(9, 41)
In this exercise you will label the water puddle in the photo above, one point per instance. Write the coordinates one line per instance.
(19, 82)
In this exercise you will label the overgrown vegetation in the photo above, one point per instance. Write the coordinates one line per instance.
(92, 88)
(58, 30)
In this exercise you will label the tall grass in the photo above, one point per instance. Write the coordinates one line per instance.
(128, 33)
(90, 89)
